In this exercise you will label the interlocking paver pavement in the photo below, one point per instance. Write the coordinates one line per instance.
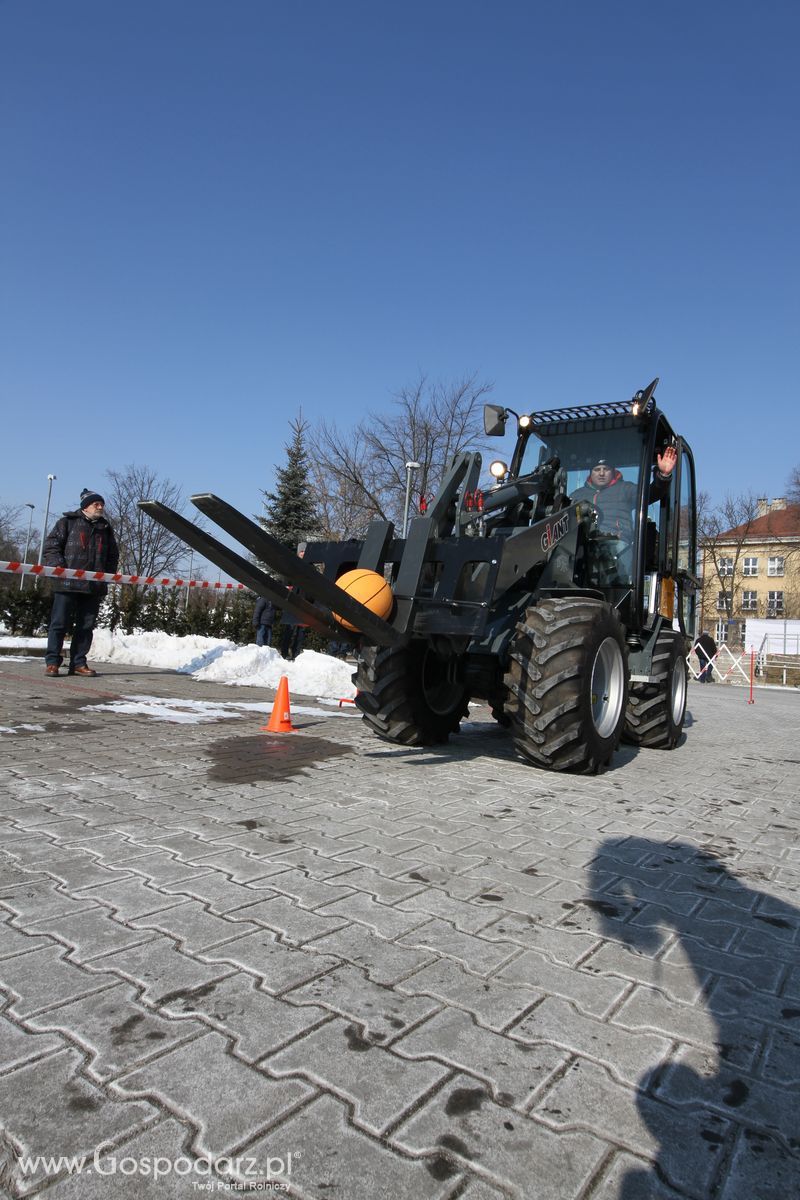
(359, 970)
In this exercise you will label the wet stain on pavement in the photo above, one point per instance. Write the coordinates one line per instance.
(736, 1094)
(79, 1103)
(119, 1033)
(265, 756)
(65, 704)
(602, 906)
(355, 1041)
(450, 1142)
(440, 1168)
(464, 1100)
(187, 996)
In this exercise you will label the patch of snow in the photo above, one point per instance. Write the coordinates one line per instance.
(195, 712)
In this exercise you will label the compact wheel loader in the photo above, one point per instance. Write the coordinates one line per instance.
(566, 607)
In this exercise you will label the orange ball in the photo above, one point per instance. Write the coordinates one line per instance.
(370, 589)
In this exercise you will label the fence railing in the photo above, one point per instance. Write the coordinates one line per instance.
(734, 664)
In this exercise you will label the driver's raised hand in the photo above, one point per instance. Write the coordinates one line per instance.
(667, 460)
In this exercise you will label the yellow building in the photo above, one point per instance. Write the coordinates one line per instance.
(752, 570)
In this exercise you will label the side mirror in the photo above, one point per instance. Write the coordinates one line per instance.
(494, 420)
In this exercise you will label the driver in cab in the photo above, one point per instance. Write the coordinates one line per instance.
(614, 498)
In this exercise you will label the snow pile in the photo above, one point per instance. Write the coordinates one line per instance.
(216, 660)
(311, 674)
(187, 654)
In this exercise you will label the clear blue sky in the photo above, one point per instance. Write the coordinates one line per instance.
(215, 214)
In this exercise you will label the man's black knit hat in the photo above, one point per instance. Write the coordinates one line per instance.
(88, 497)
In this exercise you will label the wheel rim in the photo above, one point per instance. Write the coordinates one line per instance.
(678, 691)
(608, 687)
(440, 684)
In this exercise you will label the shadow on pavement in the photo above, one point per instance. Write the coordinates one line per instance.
(742, 945)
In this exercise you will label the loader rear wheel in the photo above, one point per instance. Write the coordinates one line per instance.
(567, 684)
(410, 694)
(656, 710)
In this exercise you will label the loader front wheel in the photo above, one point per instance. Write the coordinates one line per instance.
(567, 684)
(656, 710)
(410, 694)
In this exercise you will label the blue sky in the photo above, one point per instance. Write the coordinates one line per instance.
(215, 214)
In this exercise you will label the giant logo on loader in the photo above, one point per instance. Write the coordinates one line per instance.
(554, 533)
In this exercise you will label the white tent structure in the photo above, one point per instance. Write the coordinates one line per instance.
(772, 636)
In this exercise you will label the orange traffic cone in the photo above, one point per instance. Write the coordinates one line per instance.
(281, 719)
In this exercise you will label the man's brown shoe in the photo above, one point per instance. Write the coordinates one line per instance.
(51, 670)
(86, 671)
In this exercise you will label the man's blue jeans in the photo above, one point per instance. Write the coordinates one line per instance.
(76, 609)
(263, 635)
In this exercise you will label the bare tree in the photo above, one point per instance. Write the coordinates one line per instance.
(793, 487)
(722, 532)
(13, 531)
(146, 548)
(360, 473)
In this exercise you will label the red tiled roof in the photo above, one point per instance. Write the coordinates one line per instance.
(783, 522)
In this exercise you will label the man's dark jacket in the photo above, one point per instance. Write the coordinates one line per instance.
(707, 644)
(263, 613)
(615, 502)
(76, 542)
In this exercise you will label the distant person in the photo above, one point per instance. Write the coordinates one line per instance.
(706, 648)
(82, 540)
(615, 497)
(263, 621)
(292, 640)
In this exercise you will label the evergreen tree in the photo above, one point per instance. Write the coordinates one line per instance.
(290, 512)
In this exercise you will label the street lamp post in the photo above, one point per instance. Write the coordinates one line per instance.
(191, 560)
(27, 543)
(411, 467)
(50, 479)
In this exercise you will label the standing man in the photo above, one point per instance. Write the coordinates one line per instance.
(82, 539)
(263, 620)
(706, 649)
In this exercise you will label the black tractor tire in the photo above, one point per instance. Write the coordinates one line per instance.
(656, 711)
(409, 694)
(567, 684)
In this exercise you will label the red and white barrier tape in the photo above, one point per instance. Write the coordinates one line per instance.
(19, 568)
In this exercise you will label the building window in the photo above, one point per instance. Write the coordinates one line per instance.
(774, 604)
(721, 633)
(775, 565)
(725, 566)
(723, 602)
(749, 601)
(750, 566)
